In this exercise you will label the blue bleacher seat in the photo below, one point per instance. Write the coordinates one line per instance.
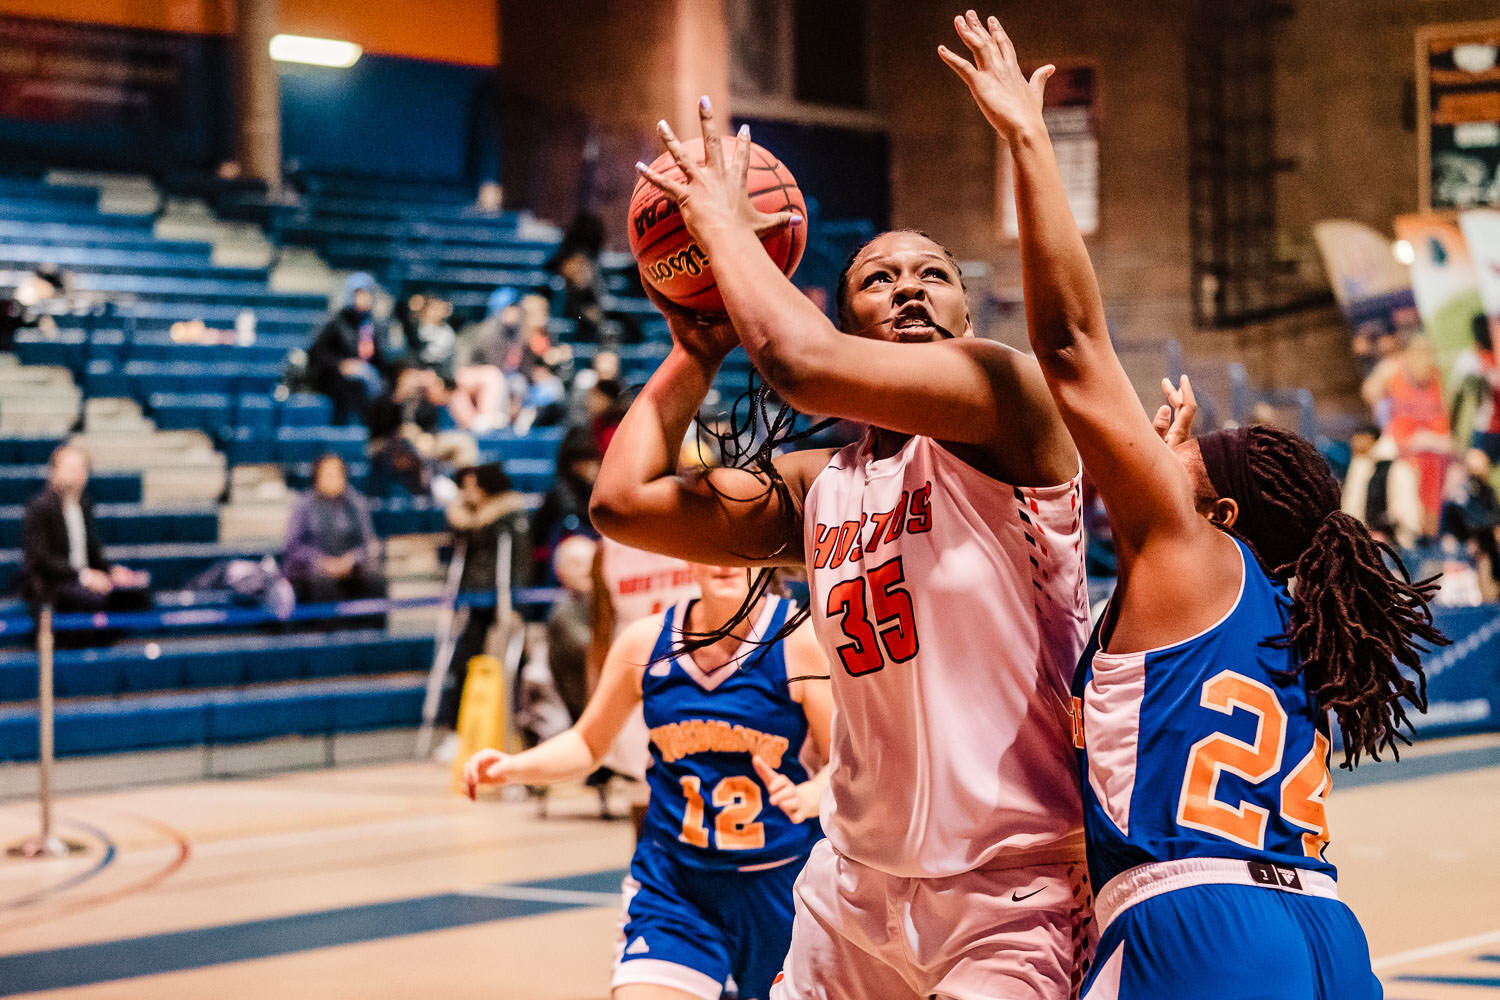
(19, 483)
(305, 409)
(305, 444)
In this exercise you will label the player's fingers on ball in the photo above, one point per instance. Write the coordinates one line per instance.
(742, 155)
(674, 146)
(673, 189)
(713, 146)
(770, 221)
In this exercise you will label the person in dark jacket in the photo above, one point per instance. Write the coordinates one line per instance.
(331, 549)
(64, 562)
(565, 508)
(486, 511)
(344, 362)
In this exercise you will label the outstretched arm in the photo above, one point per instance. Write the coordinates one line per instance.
(726, 517)
(964, 391)
(573, 753)
(1145, 489)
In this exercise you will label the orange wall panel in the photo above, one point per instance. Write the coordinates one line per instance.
(456, 31)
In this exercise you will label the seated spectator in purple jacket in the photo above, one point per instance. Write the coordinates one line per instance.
(63, 560)
(331, 549)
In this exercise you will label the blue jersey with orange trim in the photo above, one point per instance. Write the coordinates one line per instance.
(706, 801)
(1209, 747)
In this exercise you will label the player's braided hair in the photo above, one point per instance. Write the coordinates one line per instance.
(1353, 622)
(757, 427)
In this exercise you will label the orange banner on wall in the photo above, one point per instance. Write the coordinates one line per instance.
(455, 31)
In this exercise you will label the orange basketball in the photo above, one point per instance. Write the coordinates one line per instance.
(673, 262)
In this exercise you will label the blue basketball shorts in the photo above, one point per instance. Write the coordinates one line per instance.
(692, 928)
(1243, 939)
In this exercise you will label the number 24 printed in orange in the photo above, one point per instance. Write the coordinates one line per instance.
(1303, 792)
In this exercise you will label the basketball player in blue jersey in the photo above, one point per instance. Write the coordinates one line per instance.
(1248, 608)
(732, 812)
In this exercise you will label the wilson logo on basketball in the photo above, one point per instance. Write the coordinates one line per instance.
(691, 260)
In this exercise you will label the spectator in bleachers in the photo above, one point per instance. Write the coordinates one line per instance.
(570, 623)
(488, 511)
(408, 445)
(436, 341)
(1381, 489)
(1471, 514)
(331, 550)
(577, 263)
(63, 560)
(483, 355)
(1406, 394)
(23, 309)
(565, 508)
(345, 362)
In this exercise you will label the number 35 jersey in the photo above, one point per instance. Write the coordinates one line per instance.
(952, 610)
(708, 808)
(1208, 748)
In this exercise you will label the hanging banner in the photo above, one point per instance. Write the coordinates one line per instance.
(1481, 229)
(1372, 288)
(1458, 109)
(1443, 282)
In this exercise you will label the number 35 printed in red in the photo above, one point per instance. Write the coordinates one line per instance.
(1303, 791)
(877, 618)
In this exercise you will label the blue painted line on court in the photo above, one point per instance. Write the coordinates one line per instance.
(177, 951)
(1486, 982)
(110, 852)
(1412, 768)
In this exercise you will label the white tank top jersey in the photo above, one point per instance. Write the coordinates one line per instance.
(953, 611)
(642, 583)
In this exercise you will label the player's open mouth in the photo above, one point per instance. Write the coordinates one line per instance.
(913, 323)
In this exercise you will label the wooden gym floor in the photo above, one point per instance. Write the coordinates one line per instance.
(376, 881)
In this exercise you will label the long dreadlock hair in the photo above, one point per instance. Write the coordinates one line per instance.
(749, 437)
(1353, 623)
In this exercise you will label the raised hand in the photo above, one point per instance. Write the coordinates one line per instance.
(799, 802)
(1010, 102)
(712, 194)
(487, 767)
(1174, 420)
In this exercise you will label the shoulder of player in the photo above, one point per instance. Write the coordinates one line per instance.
(637, 640)
(800, 468)
(803, 651)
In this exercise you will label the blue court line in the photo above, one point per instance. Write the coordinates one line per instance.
(68, 883)
(1412, 768)
(176, 951)
(1489, 982)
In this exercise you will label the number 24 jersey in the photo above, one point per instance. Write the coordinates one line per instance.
(1207, 748)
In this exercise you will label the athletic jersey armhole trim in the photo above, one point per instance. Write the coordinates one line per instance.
(1168, 647)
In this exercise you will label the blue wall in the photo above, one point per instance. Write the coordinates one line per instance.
(174, 109)
(392, 116)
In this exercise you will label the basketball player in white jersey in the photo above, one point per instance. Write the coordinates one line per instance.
(631, 584)
(946, 571)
